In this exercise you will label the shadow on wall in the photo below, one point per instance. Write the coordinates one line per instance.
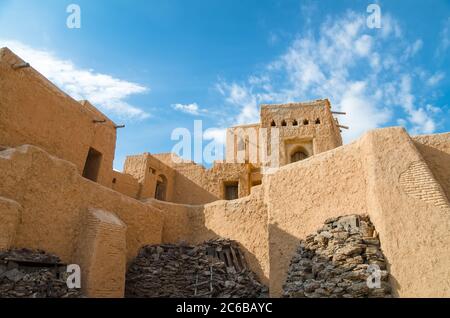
(439, 163)
(282, 247)
(203, 234)
(188, 192)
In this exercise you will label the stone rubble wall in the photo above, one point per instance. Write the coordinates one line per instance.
(33, 274)
(214, 269)
(337, 261)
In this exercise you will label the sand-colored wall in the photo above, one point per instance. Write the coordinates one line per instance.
(34, 111)
(125, 184)
(54, 199)
(301, 196)
(382, 175)
(147, 169)
(435, 149)
(411, 213)
(101, 254)
(10, 215)
(243, 220)
(194, 184)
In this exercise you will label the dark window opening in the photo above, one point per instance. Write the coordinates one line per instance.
(273, 123)
(92, 166)
(232, 191)
(283, 123)
(317, 121)
(306, 122)
(114, 181)
(151, 170)
(161, 188)
(295, 123)
(298, 156)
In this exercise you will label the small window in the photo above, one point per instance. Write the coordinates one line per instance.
(273, 123)
(232, 191)
(283, 123)
(114, 181)
(92, 165)
(306, 122)
(151, 170)
(318, 121)
(295, 123)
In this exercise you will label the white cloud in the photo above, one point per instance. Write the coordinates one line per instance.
(355, 67)
(420, 119)
(104, 91)
(217, 134)
(435, 78)
(192, 108)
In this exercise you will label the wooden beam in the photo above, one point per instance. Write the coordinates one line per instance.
(339, 113)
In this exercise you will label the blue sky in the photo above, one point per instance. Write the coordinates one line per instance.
(159, 65)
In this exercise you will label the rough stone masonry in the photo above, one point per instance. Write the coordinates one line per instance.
(216, 268)
(337, 261)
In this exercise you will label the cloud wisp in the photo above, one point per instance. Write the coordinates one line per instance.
(103, 90)
(191, 109)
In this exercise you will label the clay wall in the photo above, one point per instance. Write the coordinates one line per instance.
(382, 175)
(34, 111)
(435, 149)
(52, 217)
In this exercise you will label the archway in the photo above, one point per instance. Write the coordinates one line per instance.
(298, 154)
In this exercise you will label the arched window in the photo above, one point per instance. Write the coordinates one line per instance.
(273, 123)
(298, 155)
(161, 188)
(283, 123)
(306, 122)
(295, 123)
